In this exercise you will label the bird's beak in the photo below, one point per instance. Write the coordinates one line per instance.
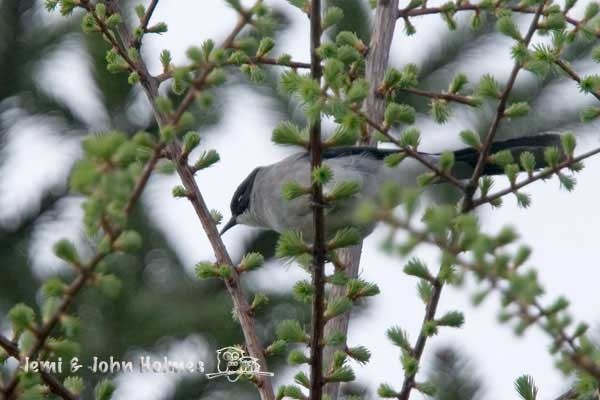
(232, 222)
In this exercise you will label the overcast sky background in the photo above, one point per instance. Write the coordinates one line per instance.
(561, 227)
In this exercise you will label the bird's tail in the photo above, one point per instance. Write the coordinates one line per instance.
(466, 159)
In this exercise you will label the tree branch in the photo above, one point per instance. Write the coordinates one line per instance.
(319, 247)
(547, 173)
(186, 174)
(489, 139)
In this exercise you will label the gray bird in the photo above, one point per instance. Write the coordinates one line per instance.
(258, 200)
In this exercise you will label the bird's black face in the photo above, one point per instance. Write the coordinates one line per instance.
(240, 202)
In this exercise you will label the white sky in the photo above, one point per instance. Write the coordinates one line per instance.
(559, 226)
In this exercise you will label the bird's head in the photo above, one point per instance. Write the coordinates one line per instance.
(241, 203)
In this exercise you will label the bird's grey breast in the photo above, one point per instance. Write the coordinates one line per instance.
(274, 212)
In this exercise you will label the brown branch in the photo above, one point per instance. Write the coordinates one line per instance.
(319, 247)
(252, 60)
(547, 173)
(457, 98)
(148, 15)
(574, 353)
(406, 13)
(84, 275)
(571, 72)
(412, 153)
(430, 310)
(489, 139)
(53, 384)
(186, 174)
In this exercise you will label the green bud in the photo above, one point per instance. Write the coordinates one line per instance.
(287, 133)
(590, 114)
(356, 288)
(409, 364)
(321, 174)
(205, 270)
(399, 338)
(190, 141)
(114, 20)
(394, 159)
(568, 143)
(344, 190)
(251, 261)
(128, 242)
(527, 161)
(207, 159)
(552, 156)
(216, 77)
(337, 306)
(332, 16)
(179, 192)
(161, 27)
(266, 45)
(65, 250)
(526, 388)
(303, 291)
(50, 306)
(74, 384)
(507, 27)
(386, 391)
(290, 331)
(276, 348)
(260, 300)
(410, 138)
(427, 179)
(358, 91)
(425, 290)
(489, 87)
(453, 319)
(470, 138)
(22, 317)
(290, 244)
(516, 110)
(342, 374)
(104, 390)
(440, 110)
(446, 161)
(293, 392)
(344, 238)
(165, 59)
(297, 357)
(399, 113)
(342, 136)
(293, 190)
(417, 268)
(302, 379)
(458, 83)
(109, 284)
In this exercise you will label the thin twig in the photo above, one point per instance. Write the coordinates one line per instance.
(489, 138)
(253, 61)
(83, 277)
(148, 15)
(186, 174)
(547, 173)
(574, 353)
(412, 153)
(406, 13)
(571, 72)
(430, 310)
(457, 98)
(319, 247)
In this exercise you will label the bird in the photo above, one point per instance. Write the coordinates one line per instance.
(258, 200)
